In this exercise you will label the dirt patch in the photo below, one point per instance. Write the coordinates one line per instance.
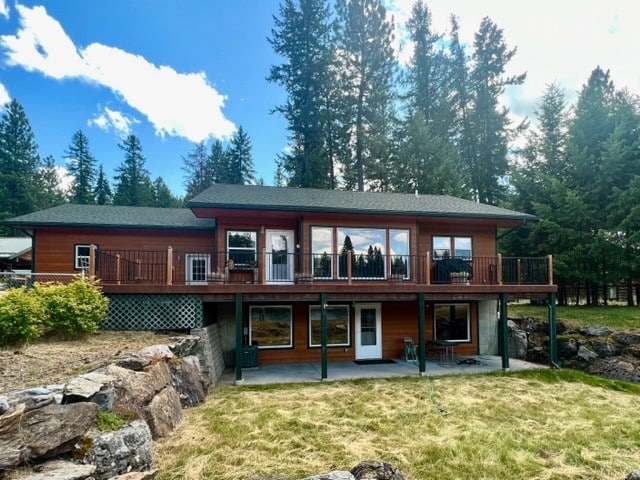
(50, 362)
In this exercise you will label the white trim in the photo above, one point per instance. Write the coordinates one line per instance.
(348, 310)
(367, 352)
(435, 330)
(188, 265)
(288, 307)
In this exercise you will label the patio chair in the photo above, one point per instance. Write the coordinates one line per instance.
(409, 352)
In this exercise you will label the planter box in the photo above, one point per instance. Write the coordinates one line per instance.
(459, 277)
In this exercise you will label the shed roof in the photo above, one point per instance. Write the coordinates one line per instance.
(112, 216)
(251, 197)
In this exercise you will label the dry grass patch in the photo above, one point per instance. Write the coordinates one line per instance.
(534, 425)
(55, 361)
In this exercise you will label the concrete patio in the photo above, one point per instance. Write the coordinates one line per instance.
(311, 372)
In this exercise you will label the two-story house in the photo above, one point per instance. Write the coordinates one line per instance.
(303, 274)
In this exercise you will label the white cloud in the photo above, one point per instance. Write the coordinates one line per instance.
(4, 96)
(65, 179)
(112, 120)
(177, 104)
(4, 10)
(555, 40)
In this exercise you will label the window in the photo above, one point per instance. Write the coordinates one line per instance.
(338, 331)
(322, 252)
(399, 252)
(368, 252)
(197, 268)
(242, 247)
(81, 257)
(446, 247)
(270, 326)
(452, 322)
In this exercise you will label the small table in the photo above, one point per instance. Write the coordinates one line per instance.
(444, 349)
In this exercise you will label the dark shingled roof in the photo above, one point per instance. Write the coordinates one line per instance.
(111, 216)
(249, 197)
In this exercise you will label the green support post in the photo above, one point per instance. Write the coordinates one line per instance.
(323, 334)
(422, 357)
(553, 331)
(504, 330)
(239, 352)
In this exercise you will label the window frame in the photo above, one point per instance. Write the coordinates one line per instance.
(345, 307)
(229, 249)
(188, 274)
(452, 307)
(350, 232)
(77, 256)
(329, 254)
(452, 246)
(251, 320)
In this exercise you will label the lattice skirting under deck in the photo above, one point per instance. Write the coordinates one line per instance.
(153, 312)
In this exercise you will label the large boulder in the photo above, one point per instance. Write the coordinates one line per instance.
(45, 432)
(134, 390)
(376, 470)
(157, 352)
(334, 475)
(32, 398)
(616, 369)
(567, 347)
(596, 331)
(61, 470)
(518, 343)
(128, 449)
(185, 345)
(164, 413)
(627, 338)
(604, 348)
(188, 380)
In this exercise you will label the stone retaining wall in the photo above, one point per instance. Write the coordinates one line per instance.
(597, 350)
(210, 351)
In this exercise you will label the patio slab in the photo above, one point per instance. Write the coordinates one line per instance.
(311, 372)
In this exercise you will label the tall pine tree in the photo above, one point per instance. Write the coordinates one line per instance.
(199, 170)
(132, 182)
(240, 160)
(81, 164)
(102, 192)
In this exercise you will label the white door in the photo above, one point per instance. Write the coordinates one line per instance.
(368, 331)
(279, 256)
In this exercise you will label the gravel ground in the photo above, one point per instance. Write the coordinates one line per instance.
(50, 362)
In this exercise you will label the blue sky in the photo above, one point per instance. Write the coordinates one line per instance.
(174, 73)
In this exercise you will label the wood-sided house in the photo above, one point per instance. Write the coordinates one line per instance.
(303, 274)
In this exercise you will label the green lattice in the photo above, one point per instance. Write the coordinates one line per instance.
(153, 312)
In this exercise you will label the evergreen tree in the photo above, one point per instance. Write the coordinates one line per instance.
(367, 65)
(162, 196)
(240, 159)
(199, 170)
(19, 162)
(50, 193)
(488, 162)
(219, 161)
(133, 183)
(303, 38)
(102, 192)
(81, 164)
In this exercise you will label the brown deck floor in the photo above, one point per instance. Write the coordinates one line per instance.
(311, 372)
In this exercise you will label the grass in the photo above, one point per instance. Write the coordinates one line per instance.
(616, 317)
(544, 424)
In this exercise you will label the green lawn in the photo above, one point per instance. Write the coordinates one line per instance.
(544, 424)
(617, 317)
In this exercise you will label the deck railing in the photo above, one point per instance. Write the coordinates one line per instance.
(27, 279)
(176, 267)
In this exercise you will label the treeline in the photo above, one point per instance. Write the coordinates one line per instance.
(29, 182)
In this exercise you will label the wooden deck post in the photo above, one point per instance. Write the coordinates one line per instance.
(239, 349)
(550, 268)
(518, 271)
(422, 343)
(324, 339)
(428, 272)
(118, 269)
(263, 269)
(499, 272)
(170, 265)
(92, 261)
(504, 331)
(349, 267)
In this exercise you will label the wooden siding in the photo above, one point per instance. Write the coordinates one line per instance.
(399, 319)
(54, 247)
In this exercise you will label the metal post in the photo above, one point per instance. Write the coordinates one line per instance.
(422, 357)
(239, 352)
(504, 331)
(323, 334)
(553, 330)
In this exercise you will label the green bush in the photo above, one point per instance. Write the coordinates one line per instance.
(109, 421)
(72, 310)
(22, 316)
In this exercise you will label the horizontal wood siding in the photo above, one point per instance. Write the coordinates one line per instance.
(55, 246)
(399, 319)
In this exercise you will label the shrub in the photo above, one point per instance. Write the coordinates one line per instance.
(72, 310)
(22, 316)
(109, 421)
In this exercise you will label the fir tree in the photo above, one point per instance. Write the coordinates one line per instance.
(81, 164)
(133, 183)
(240, 167)
(102, 192)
